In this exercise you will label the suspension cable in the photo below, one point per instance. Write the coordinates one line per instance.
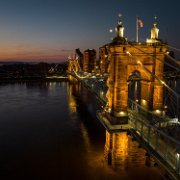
(159, 80)
(76, 72)
(162, 82)
(173, 48)
(173, 59)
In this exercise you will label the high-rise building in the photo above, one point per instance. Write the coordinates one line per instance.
(89, 60)
(103, 59)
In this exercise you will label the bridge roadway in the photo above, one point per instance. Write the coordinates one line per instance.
(146, 127)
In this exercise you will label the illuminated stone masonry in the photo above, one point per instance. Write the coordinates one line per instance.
(127, 57)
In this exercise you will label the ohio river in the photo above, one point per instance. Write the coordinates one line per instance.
(49, 131)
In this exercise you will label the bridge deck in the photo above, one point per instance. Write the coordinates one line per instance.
(107, 123)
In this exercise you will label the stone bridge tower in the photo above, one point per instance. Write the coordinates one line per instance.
(73, 65)
(125, 58)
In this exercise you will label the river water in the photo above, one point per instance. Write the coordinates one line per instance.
(49, 131)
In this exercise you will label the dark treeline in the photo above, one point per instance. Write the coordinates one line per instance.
(31, 70)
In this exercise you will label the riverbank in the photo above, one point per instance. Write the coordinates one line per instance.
(33, 79)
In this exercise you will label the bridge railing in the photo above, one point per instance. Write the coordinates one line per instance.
(98, 87)
(167, 147)
(146, 115)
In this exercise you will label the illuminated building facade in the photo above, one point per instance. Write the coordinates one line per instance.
(127, 57)
(89, 60)
(103, 59)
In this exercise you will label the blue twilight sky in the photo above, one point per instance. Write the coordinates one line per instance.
(50, 30)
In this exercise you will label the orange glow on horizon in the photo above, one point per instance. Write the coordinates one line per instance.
(35, 57)
(10, 52)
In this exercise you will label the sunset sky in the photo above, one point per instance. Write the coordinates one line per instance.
(50, 30)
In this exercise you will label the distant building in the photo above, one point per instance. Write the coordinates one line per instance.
(103, 59)
(89, 60)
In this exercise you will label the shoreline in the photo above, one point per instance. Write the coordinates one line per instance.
(46, 79)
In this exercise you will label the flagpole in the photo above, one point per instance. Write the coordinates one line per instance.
(137, 30)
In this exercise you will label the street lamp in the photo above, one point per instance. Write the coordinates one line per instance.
(177, 162)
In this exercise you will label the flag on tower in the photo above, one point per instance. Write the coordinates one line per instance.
(140, 23)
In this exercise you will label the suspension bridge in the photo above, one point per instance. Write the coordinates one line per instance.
(137, 95)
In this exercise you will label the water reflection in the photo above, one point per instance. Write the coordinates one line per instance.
(71, 99)
(116, 149)
(123, 154)
(85, 136)
(52, 134)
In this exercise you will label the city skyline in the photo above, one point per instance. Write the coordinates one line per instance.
(50, 30)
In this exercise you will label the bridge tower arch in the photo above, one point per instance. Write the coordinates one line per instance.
(134, 86)
(127, 57)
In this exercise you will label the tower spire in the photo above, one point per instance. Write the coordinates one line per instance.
(154, 30)
(155, 21)
(154, 33)
(119, 39)
(120, 28)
